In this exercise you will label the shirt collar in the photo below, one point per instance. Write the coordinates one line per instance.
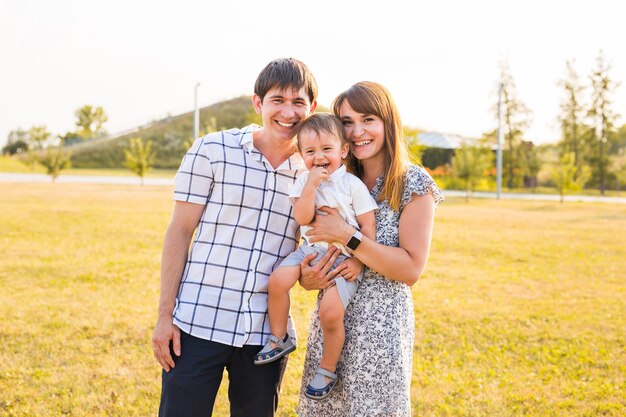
(294, 162)
(339, 172)
(246, 137)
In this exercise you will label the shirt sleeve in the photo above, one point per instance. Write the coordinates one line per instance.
(194, 180)
(362, 201)
(298, 186)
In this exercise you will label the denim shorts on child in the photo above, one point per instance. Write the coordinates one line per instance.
(345, 288)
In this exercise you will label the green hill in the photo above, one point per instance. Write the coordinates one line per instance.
(171, 136)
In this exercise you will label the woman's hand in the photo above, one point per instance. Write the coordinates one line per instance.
(330, 227)
(318, 277)
(350, 269)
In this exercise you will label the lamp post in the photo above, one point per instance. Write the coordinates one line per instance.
(500, 140)
(196, 116)
(602, 137)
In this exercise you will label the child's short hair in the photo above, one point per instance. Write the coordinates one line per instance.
(322, 123)
(286, 73)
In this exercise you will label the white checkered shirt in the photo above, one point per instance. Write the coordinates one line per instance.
(247, 228)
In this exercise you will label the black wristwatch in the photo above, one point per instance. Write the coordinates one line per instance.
(355, 240)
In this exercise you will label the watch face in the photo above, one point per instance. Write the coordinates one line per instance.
(353, 243)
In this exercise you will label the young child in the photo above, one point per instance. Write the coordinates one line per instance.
(323, 146)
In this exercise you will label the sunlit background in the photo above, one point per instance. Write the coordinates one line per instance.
(140, 60)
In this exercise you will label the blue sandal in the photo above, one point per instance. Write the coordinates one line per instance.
(318, 388)
(270, 354)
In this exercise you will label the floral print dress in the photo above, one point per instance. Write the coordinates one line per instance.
(376, 362)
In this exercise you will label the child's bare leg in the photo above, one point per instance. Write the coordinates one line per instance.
(331, 318)
(278, 302)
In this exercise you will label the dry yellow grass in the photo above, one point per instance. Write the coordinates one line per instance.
(521, 311)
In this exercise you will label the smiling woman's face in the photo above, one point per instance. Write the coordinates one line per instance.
(365, 132)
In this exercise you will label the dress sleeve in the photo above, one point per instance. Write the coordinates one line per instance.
(418, 181)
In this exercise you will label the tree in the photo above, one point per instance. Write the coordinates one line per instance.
(17, 142)
(567, 177)
(55, 160)
(516, 119)
(571, 119)
(415, 148)
(618, 146)
(38, 139)
(470, 163)
(619, 169)
(90, 121)
(533, 164)
(603, 119)
(139, 156)
(38, 136)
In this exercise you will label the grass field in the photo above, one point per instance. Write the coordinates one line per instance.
(522, 311)
(13, 165)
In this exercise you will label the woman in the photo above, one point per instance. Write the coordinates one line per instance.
(375, 367)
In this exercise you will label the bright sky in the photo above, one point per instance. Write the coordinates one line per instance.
(140, 59)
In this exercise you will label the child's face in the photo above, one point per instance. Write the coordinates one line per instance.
(324, 150)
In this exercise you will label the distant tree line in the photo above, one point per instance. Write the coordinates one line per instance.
(89, 125)
(38, 146)
(590, 152)
(160, 143)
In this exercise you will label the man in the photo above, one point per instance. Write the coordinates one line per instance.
(232, 191)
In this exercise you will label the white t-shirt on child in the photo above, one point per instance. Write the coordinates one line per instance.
(342, 191)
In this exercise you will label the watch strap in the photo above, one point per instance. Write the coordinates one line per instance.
(355, 240)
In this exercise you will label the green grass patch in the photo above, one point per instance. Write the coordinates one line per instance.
(488, 184)
(521, 310)
(115, 172)
(15, 165)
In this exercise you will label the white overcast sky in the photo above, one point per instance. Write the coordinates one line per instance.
(140, 59)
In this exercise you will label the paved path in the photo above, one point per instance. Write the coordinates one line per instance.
(538, 197)
(95, 179)
(85, 179)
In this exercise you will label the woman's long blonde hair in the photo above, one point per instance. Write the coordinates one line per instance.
(367, 97)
